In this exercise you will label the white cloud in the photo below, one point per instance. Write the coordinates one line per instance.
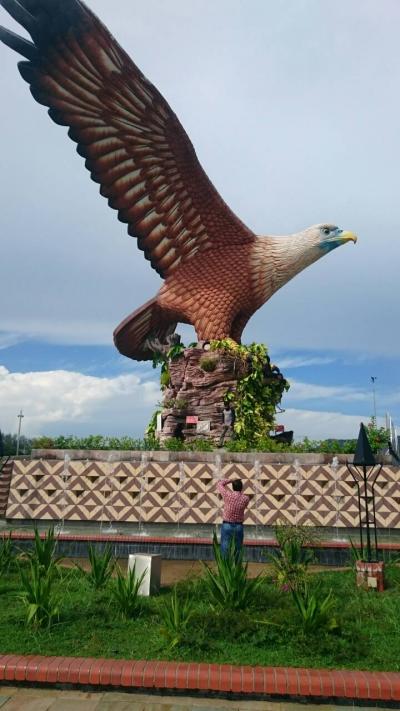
(304, 361)
(309, 391)
(321, 425)
(66, 402)
(8, 339)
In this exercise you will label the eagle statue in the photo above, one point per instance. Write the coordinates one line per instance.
(216, 271)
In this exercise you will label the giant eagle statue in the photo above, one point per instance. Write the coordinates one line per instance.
(216, 271)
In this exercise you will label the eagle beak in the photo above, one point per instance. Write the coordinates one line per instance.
(347, 236)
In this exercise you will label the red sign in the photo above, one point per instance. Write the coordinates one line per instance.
(192, 419)
(279, 428)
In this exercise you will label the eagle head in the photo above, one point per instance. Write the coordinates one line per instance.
(293, 253)
(324, 238)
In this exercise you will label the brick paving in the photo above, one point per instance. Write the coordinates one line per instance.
(22, 699)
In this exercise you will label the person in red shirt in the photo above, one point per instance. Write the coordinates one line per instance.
(235, 503)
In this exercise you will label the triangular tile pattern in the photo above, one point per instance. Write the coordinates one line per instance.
(5, 481)
(186, 492)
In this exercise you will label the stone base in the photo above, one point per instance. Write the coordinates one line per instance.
(199, 382)
(370, 575)
(150, 567)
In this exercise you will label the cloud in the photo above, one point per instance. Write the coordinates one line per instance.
(8, 339)
(62, 401)
(65, 330)
(304, 361)
(69, 402)
(321, 425)
(309, 391)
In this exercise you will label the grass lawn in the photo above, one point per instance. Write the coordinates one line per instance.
(269, 633)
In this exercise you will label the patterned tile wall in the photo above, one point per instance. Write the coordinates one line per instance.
(185, 492)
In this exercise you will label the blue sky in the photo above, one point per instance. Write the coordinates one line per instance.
(293, 109)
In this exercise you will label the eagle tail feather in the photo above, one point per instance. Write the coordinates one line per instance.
(149, 323)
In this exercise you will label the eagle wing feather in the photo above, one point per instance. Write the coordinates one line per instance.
(133, 143)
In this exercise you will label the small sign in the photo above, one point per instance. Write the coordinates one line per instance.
(159, 422)
(203, 426)
(192, 419)
(279, 428)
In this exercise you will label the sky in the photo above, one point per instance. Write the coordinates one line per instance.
(293, 109)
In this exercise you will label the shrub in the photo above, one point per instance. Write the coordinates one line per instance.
(38, 596)
(174, 444)
(208, 363)
(229, 587)
(6, 554)
(199, 445)
(176, 615)
(290, 563)
(43, 443)
(43, 553)
(316, 609)
(378, 436)
(125, 592)
(101, 567)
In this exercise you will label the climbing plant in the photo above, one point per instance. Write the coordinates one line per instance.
(257, 393)
(163, 359)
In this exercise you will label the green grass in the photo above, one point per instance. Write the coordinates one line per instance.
(266, 634)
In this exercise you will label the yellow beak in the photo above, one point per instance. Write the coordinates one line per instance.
(347, 236)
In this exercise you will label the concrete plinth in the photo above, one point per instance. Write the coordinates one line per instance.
(151, 566)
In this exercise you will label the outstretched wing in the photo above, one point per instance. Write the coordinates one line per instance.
(133, 143)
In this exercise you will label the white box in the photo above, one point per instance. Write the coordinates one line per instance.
(151, 563)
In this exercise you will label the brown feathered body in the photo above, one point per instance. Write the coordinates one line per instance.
(216, 271)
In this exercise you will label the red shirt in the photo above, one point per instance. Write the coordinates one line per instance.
(234, 502)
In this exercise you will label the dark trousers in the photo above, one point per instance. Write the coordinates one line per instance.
(225, 430)
(231, 531)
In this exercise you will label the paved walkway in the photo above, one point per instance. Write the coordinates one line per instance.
(21, 699)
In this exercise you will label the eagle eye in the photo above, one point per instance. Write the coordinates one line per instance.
(326, 230)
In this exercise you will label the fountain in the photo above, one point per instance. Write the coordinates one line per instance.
(336, 496)
(217, 466)
(297, 469)
(143, 487)
(258, 494)
(108, 479)
(60, 527)
(217, 475)
(182, 477)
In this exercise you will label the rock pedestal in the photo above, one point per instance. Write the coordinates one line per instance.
(194, 399)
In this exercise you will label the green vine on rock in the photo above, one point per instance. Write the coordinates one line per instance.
(163, 359)
(257, 393)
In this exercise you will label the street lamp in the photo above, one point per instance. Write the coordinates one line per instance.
(20, 416)
(373, 378)
(365, 472)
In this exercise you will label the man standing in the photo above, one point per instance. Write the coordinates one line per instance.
(228, 419)
(233, 515)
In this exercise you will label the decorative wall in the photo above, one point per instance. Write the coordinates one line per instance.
(185, 492)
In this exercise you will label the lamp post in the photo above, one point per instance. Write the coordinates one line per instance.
(365, 471)
(373, 378)
(20, 416)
